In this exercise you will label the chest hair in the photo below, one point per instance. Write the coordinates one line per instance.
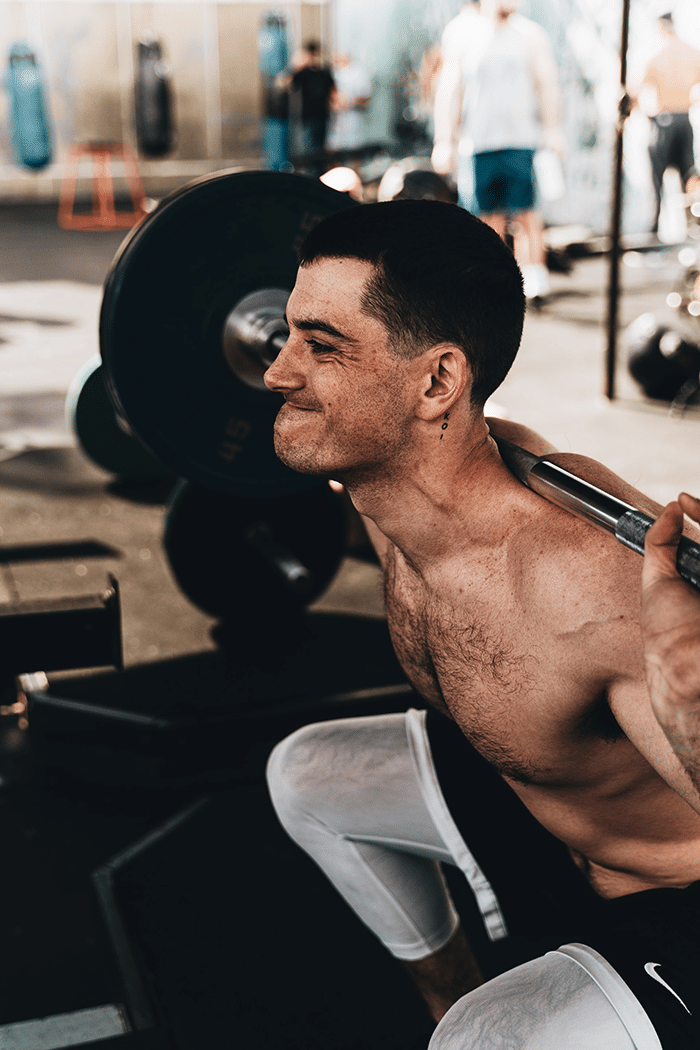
(462, 664)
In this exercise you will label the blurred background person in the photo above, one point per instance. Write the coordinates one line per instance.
(452, 147)
(314, 87)
(669, 86)
(349, 103)
(499, 87)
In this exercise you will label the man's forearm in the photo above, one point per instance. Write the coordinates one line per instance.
(683, 735)
(670, 623)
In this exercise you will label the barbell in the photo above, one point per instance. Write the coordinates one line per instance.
(193, 315)
(584, 500)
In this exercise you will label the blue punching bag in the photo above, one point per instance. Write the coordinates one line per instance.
(28, 113)
(272, 61)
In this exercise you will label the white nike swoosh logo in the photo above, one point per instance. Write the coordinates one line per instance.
(650, 968)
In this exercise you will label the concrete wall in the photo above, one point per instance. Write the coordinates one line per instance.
(87, 52)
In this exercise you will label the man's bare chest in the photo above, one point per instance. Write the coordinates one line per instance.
(474, 653)
(449, 647)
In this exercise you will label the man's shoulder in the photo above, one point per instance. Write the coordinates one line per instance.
(578, 588)
(596, 473)
(528, 28)
(563, 559)
(519, 434)
(665, 59)
(586, 548)
(591, 470)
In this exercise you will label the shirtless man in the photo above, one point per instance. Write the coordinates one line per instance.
(515, 619)
(670, 85)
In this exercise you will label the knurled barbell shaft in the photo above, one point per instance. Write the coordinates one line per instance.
(586, 501)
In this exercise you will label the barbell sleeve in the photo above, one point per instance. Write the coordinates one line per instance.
(260, 536)
(594, 505)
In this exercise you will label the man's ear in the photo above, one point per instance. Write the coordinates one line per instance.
(446, 376)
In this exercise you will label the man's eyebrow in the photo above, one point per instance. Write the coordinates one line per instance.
(314, 324)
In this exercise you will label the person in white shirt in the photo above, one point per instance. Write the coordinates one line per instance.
(497, 102)
(352, 97)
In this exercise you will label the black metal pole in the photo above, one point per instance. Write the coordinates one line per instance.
(616, 216)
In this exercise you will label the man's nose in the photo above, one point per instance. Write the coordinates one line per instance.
(282, 375)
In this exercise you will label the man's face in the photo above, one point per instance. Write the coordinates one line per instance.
(347, 409)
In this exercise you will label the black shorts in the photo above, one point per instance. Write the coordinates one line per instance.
(504, 181)
(652, 938)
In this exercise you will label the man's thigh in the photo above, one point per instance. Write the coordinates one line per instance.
(652, 940)
(569, 999)
(633, 985)
(649, 942)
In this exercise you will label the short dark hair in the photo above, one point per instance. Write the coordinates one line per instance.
(442, 276)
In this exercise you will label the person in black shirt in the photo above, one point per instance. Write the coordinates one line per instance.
(316, 88)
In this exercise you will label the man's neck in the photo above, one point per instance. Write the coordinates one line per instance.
(438, 501)
(501, 18)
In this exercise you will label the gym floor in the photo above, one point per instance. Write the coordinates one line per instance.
(167, 830)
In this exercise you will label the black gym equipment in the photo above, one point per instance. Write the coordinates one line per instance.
(226, 934)
(209, 719)
(192, 315)
(413, 178)
(101, 435)
(623, 111)
(586, 501)
(153, 101)
(262, 558)
(664, 362)
(59, 634)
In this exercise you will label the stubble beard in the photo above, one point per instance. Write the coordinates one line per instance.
(378, 468)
